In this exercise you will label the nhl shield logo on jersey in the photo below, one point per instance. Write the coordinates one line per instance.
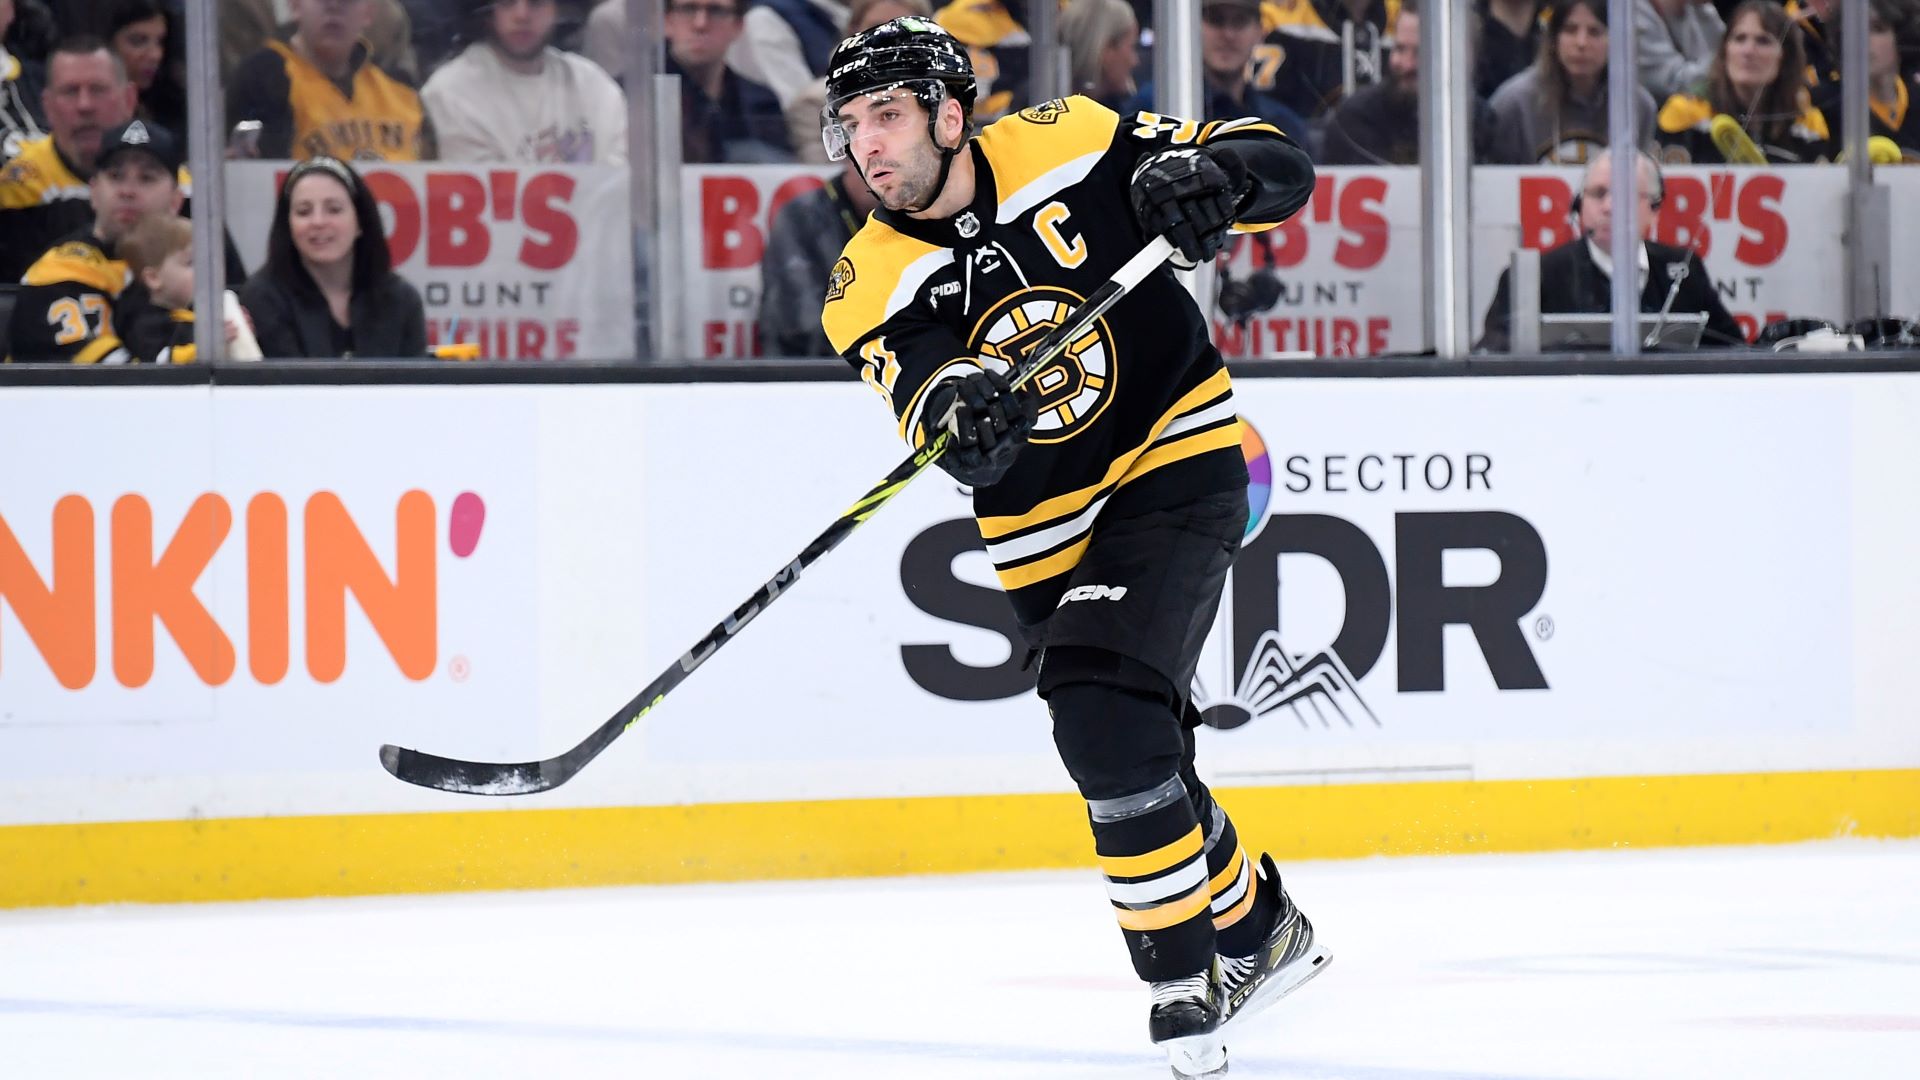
(1076, 387)
(1046, 112)
(839, 279)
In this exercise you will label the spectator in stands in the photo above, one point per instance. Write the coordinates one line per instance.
(159, 256)
(1229, 33)
(1380, 124)
(1508, 42)
(328, 288)
(724, 116)
(21, 81)
(65, 314)
(512, 96)
(784, 44)
(994, 32)
(1103, 43)
(1816, 20)
(1578, 276)
(1758, 81)
(247, 25)
(1555, 112)
(138, 32)
(317, 91)
(803, 112)
(1890, 89)
(43, 190)
(1676, 40)
(1304, 60)
(802, 246)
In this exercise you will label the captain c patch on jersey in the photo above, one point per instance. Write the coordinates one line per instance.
(1076, 386)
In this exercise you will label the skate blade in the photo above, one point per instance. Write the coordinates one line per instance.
(1281, 983)
(1197, 1057)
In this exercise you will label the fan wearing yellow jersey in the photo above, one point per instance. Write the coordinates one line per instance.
(318, 93)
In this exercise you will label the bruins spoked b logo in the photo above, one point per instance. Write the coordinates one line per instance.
(1077, 385)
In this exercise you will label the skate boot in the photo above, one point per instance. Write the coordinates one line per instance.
(1186, 1021)
(1288, 957)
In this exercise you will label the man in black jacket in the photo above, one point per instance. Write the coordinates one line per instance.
(1578, 276)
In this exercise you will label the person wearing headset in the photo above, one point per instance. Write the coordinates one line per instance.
(1577, 276)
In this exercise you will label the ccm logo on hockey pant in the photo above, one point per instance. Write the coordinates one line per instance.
(1091, 592)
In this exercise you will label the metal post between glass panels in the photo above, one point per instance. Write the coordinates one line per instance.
(1446, 182)
(1623, 136)
(206, 161)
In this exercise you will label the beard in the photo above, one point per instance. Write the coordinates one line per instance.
(912, 182)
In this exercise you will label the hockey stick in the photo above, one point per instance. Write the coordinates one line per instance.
(522, 778)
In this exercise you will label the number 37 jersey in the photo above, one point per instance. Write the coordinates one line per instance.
(1138, 412)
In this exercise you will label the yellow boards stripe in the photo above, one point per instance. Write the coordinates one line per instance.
(1159, 860)
(365, 854)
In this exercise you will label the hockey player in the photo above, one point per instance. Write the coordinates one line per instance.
(1111, 489)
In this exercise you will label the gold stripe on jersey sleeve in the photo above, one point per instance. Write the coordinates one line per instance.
(875, 259)
(1073, 502)
(1171, 913)
(1022, 149)
(1157, 861)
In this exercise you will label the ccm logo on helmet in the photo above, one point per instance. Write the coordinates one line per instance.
(1092, 592)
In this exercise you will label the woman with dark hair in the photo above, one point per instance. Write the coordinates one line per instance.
(328, 288)
(139, 33)
(1757, 109)
(1893, 30)
(1555, 112)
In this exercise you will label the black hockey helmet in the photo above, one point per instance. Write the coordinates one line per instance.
(909, 53)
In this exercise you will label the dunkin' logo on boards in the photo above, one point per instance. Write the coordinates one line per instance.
(148, 570)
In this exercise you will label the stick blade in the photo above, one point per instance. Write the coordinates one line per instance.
(470, 777)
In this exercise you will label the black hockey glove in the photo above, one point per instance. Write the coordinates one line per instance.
(990, 423)
(1190, 195)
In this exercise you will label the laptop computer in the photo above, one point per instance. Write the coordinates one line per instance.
(1583, 332)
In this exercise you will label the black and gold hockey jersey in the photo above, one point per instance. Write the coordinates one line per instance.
(1138, 413)
(372, 116)
(43, 199)
(1685, 134)
(1303, 59)
(65, 313)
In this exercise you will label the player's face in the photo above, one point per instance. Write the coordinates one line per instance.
(1227, 39)
(321, 215)
(85, 96)
(141, 46)
(130, 188)
(1753, 55)
(522, 27)
(1582, 44)
(888, 142)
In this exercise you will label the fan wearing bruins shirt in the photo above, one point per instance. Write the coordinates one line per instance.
(1111, 489)
(317, 92)
(66, 311)
(1303, 60)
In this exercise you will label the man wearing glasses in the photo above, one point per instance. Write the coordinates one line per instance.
(724, 117)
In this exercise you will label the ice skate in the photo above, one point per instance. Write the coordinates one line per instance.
(1186, 1021)
(1288, 957)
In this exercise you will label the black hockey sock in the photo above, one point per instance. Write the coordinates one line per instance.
(1156, 869)
(1241, 912)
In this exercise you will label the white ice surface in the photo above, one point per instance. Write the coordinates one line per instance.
(1774, 962)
